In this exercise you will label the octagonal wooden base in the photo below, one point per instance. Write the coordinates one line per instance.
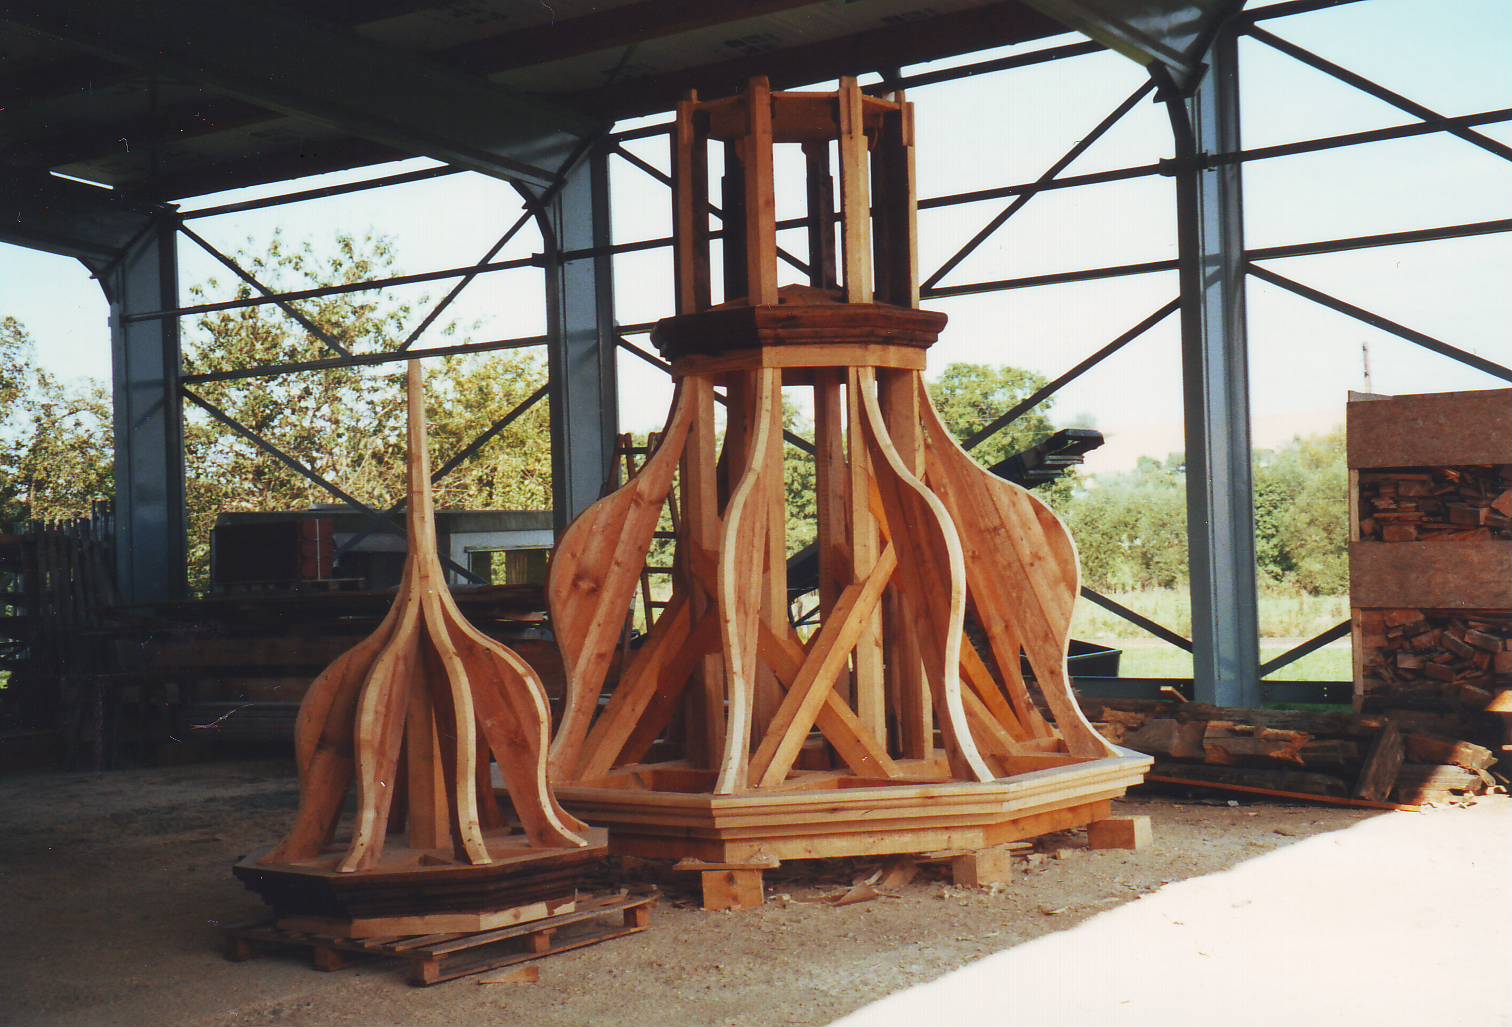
(425, 891)
(667, 811)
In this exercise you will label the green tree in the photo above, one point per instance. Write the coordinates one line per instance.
(968, 396)
(56, 438)
(971, 396)
(346, 424)
(1302, 513)
(1130, 528)
(799, 478)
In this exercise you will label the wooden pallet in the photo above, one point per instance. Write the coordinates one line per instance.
(434, 958)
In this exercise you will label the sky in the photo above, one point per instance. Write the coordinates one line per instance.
(1451, 56)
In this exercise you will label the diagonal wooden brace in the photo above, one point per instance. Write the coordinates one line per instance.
(827, 654)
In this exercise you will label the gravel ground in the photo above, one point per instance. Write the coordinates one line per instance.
(115, 885)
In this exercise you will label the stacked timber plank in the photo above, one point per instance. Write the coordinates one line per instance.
(1331, 756)
(232, 670)
(1436, 657)
(1445, 504)
(1430, 559)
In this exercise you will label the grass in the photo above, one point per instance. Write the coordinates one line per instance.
(1152, 658)
(1286, 619)
(1283, 614)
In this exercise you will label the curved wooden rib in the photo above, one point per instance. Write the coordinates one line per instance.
(318, 729)
(1027, 575)
(380, 730)
(517, 732)
(931, 576)
(323, 744)
(508, 691)
(594, 572)
(323, 747)
(742, 551)
(464, 764)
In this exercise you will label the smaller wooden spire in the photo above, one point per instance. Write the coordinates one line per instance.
(421, 708)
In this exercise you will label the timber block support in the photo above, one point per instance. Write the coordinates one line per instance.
(730, 885)
(732, 889)
(327, 959)
(983, 867)
(1120, 833)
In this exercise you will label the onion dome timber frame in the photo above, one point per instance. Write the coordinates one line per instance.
(705, 750)
(413, 718)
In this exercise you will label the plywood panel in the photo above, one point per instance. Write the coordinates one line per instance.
(1439, 429)
(1431, 575)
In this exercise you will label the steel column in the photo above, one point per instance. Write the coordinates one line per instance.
(149, 434)
(580, 302)
(1215, 386)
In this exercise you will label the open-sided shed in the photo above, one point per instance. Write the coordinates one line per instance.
(163, 99)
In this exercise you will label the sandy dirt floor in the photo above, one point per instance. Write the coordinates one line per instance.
(114, 886)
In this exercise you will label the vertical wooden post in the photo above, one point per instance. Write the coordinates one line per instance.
(855, 194)
(733, 221)
(426, 819)
(739, 403)
(831, 486)
(884, 175)
(898, 396)
(895, 214)
(821, 215)
(870, 694)
(690, 210)
(700, 499)
(761, 198)
(910, 203)
(832, 502)
(490, 815)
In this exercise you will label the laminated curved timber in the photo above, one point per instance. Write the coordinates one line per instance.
(412, 718)
(729, 737)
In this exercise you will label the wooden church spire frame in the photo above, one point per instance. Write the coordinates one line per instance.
(706, 749)
(412, 719)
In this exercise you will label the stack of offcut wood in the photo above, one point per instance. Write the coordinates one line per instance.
(1338, 756)
(1419, 656)
(1464, 503)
